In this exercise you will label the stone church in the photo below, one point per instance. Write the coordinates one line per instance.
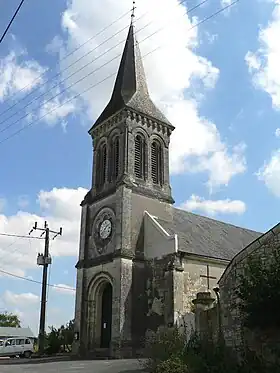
(141, 260)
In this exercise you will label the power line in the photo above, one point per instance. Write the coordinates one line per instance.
(62, 59)
(20, 236)
(72, 64)
(11, 21)
(57, 84)
(3, 249)
(34, 281)
(84, 77)
(94, 85)
(68, 55)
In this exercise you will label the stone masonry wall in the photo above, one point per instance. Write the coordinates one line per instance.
(187, 283)
(152, 298)
(234, 335)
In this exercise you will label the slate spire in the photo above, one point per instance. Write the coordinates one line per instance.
(130, 89)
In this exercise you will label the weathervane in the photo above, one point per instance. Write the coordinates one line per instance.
(133, 11)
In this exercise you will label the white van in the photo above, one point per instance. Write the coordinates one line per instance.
(17, 346)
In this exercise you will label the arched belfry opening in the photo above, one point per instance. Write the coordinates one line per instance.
(100, 302)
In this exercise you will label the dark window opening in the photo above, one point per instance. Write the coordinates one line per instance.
(115, 159)
(100, 166)
(139, 160)
(156, 162)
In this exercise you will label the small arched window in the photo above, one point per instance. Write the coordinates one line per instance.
(101, 162)
(115, 159)
(139, 156)
(156, 162)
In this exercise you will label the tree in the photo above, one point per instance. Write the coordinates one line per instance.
(10, 320)
(67, 335)
(60, 339)
(259, 291)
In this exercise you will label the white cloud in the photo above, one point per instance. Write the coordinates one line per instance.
(61, 208)
(64, 289)
(210, 207)
(227, 4)
(177, 68)
(50, 103)
(211, 38)
(19, 300)
(16, 75)
(269, 173)
(222, 166)
(27, 307)
(212, 154)
(55, 45)
(264, 63)
(252, 61)
(57, 109)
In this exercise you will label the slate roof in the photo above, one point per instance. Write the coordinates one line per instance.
(207, 237)
(15, 332)
(131, 90)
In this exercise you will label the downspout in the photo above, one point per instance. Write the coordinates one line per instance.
(220, 332)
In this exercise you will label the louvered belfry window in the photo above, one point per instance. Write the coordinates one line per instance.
(156, 162)
(101, 162)
(139, 161)
(115, 159)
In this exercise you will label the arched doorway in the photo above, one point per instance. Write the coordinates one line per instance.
(99, 320)
(106, 316)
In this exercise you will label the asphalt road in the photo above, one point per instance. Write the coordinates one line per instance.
(96, 366)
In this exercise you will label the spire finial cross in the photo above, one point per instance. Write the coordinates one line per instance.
(133, 11)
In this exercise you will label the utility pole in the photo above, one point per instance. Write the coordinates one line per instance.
(44, 260)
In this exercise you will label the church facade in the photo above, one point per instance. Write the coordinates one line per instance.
(141, 260)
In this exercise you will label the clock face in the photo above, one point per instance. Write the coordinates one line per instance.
(105, 229)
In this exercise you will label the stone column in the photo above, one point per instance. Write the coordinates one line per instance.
(202, 303)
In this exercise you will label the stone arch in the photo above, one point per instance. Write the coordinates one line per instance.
(141, 130)
(100, 142)
(114, 132)
(100, 284)
(159, 138)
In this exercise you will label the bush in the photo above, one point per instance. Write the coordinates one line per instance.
(171, 366)
(53, 342)
(167, 343)
(61, 339)
(169, 352)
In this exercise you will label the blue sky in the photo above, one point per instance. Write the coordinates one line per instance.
(218, 83)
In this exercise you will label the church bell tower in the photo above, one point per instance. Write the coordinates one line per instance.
(131, 136)
(130, 175)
